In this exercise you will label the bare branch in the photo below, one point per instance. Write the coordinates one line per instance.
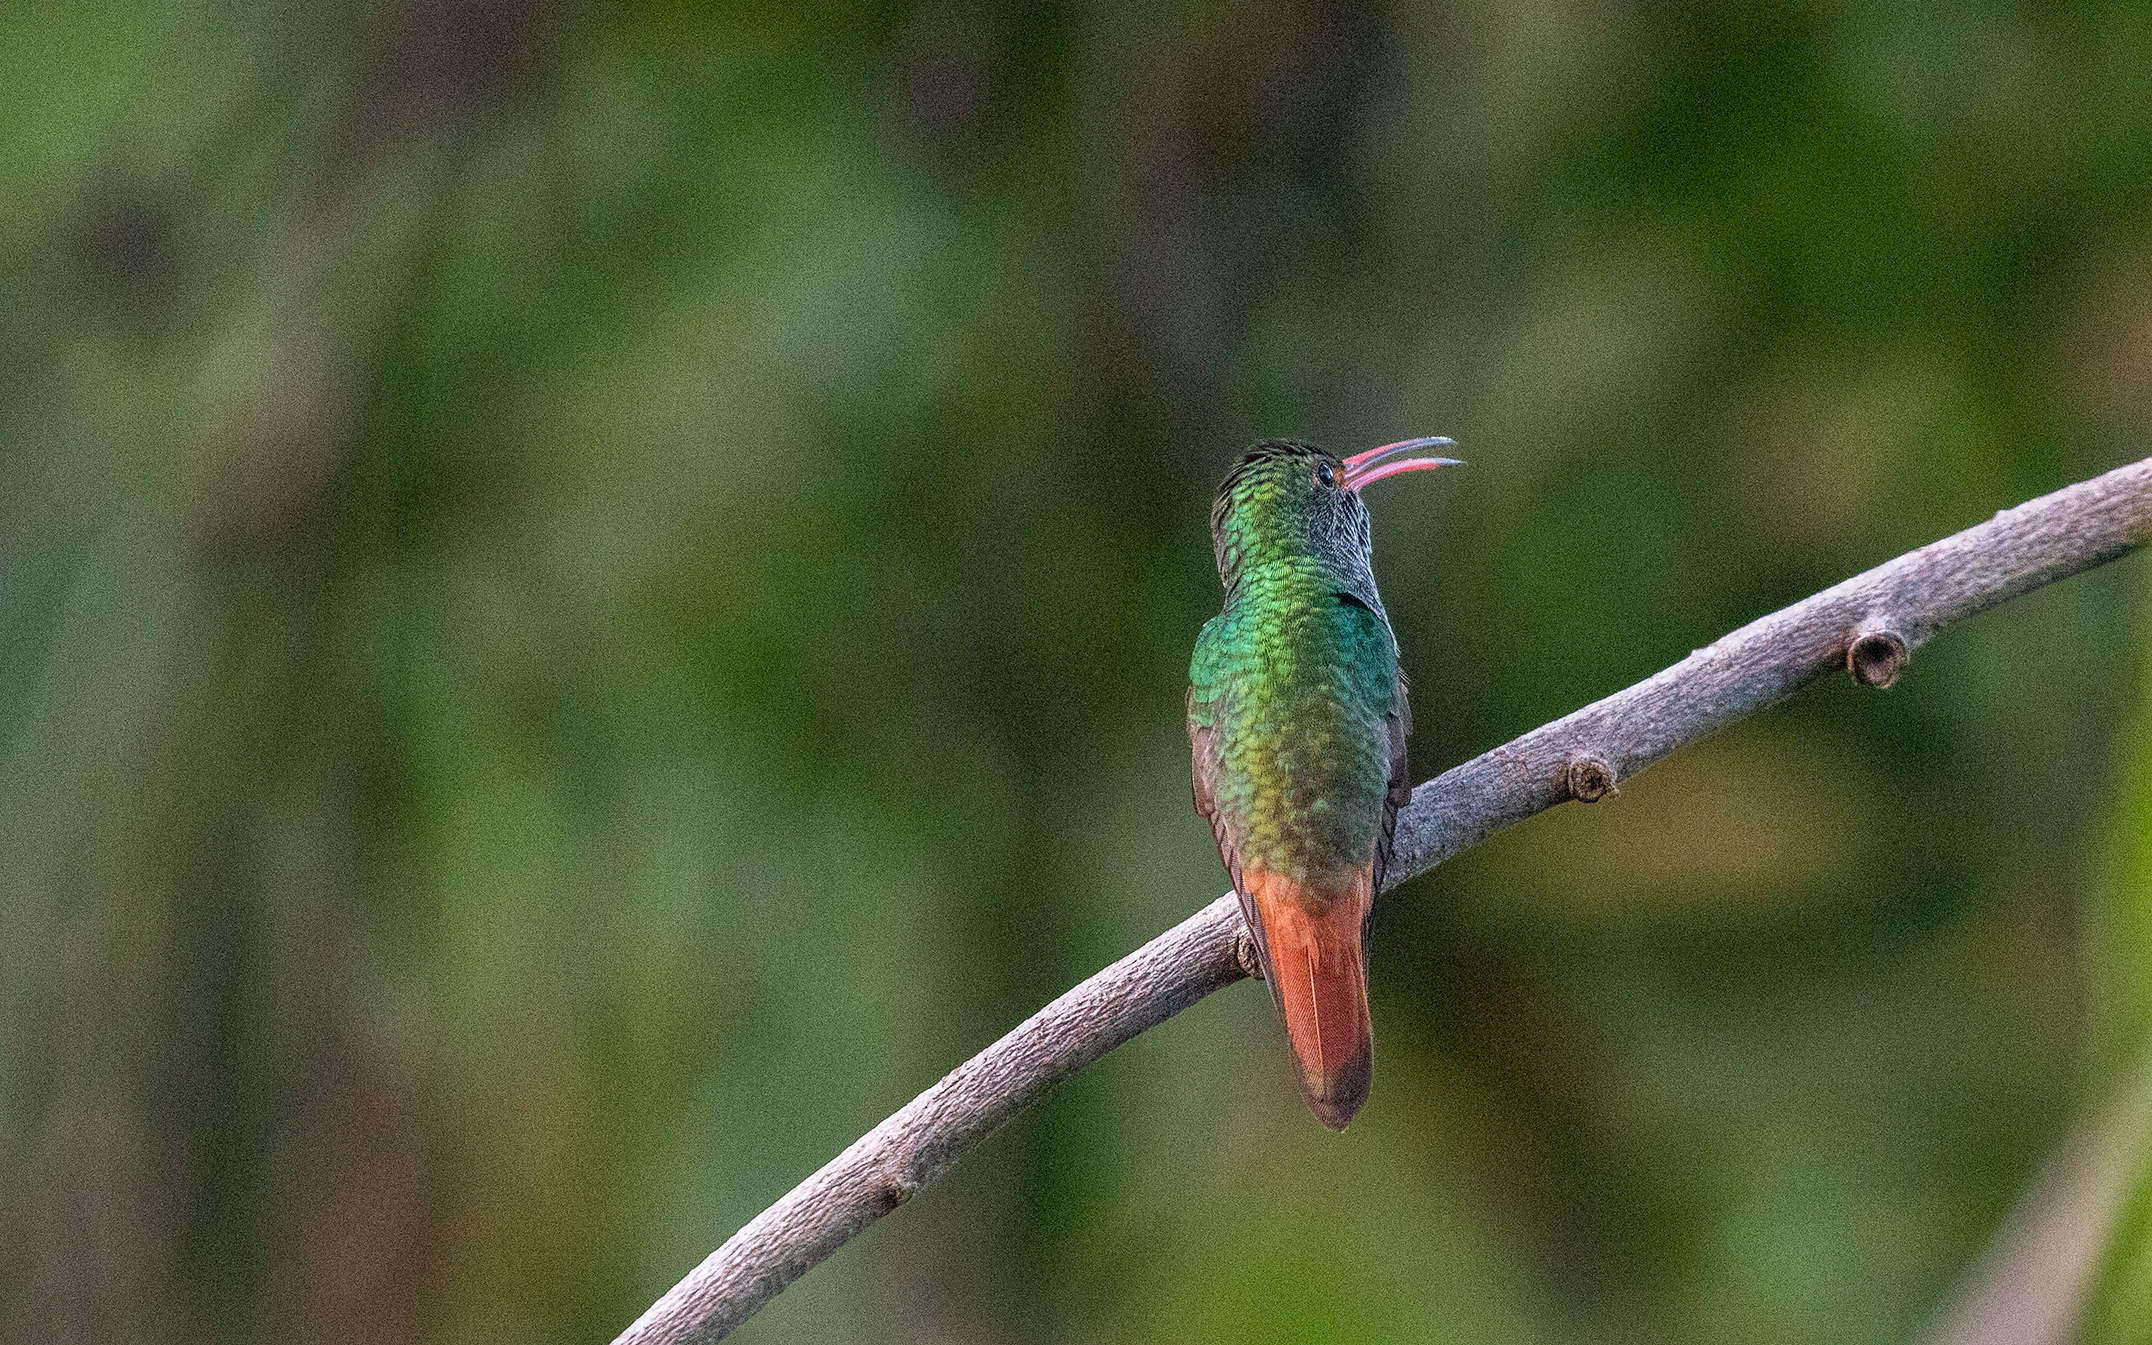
(1868, 625)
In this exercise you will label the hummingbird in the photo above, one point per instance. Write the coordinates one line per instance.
(1296, 723)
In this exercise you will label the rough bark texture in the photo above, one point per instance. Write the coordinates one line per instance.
(1868, 626)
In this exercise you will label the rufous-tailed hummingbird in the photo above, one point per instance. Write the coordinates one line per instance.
(1297, 721)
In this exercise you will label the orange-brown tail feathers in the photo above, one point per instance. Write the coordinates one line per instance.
(1313, 954)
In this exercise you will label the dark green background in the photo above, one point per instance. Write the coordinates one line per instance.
(592, 594)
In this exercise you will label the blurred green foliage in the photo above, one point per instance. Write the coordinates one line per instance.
(592, 595)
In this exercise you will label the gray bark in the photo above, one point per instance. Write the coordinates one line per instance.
(1869, 625)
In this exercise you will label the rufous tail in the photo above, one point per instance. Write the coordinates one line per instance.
(1318, 976)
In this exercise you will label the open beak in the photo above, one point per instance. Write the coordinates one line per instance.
(1377, 463)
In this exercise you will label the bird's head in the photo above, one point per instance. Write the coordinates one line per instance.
(1285, 499)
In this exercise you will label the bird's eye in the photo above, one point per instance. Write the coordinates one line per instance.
(1324, 477)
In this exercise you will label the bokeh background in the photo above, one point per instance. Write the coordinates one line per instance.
(592, 594)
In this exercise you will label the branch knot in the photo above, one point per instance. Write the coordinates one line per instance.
(1586, 779)
(1876, 657)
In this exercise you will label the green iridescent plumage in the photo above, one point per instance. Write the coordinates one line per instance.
(1297, 721)
(1294, 687)
(1296, 682)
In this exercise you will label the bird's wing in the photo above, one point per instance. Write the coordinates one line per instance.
(1208, 704)
(1382, 684)
(1203, 766)
(1399, 723)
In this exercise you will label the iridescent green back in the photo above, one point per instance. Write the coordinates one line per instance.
(1295, 704)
